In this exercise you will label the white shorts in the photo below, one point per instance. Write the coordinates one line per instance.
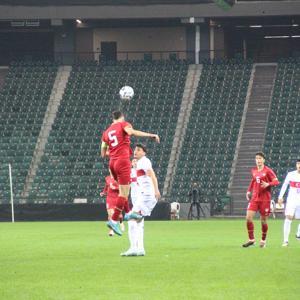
(145, 204)
(292, 209)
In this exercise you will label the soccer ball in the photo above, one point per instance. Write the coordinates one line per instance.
(126, 92)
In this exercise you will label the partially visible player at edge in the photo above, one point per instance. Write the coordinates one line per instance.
(116, 140)
(292, 208)
(263, 178)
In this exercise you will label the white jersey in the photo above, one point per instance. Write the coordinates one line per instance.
(293, 181)
(134, 186)
(144, 181)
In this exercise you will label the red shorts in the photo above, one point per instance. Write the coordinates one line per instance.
(262, 206)
(111, 203)
(121, 169)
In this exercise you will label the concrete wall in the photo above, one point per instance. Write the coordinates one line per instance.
(219, 42)
(84, 43)
(266, 8)
(146, 39)
(64, 44)
(190, 42)
(204, 41)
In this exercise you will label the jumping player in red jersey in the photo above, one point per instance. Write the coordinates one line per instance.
(263, 178)
(116, 140)
(111, 191)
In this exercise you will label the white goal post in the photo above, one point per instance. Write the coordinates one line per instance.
(11, 194)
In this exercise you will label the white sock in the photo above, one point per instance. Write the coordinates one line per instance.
(286, 229)
(298, 232)
(132, 234)
(140, 239)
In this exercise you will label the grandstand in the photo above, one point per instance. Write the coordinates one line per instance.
(71, 166)
(282, 140)
(212, 130)
(24, 99)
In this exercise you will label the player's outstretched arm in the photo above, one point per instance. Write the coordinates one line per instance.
(139, 133)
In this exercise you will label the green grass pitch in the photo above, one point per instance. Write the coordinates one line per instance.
(185, 260)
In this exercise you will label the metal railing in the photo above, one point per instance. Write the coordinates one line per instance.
(69, 58)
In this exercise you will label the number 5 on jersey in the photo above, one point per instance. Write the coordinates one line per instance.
(112, 137)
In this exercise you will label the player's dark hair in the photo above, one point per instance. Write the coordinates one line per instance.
(142, 146)
(298, 159)
(117, 114)
(261, 154)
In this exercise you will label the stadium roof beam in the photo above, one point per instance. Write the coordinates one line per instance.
(241, 9)
(275, 21)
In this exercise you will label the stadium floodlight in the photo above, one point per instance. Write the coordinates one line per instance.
(276, 36)
(11, 195)
(78, 21)
(255, 26)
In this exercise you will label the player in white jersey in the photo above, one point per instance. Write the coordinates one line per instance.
(292, 208)
(134, 187)
(144, 198)
(132, 224)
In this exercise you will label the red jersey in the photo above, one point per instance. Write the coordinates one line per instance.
(111, 188)
(118, 140)
(258, 192)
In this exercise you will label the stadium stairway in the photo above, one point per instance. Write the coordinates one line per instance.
(282, 142)
(209, 144)
(57, 92)
(191, 84)
(252, 133)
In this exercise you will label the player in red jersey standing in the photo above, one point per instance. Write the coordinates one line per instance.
(263, 178)
(116, 140)
(111, 191)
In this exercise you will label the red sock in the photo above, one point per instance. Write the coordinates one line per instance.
(126, 207)
(250, 228)
(264, 229)
(119, 208)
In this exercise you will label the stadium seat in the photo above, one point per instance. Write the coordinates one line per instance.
(210, 141)
(24, 99)
(282, 141)
(72, 152)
